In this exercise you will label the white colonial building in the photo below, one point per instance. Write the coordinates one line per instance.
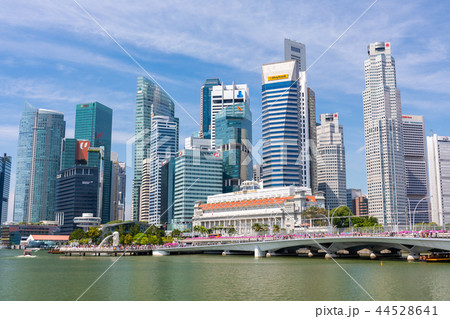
(280, 206)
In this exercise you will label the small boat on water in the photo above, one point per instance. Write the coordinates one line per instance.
(55, 251)
(28, 253)
(436, 257)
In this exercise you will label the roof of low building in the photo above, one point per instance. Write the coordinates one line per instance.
(247, 203)
(50, 237)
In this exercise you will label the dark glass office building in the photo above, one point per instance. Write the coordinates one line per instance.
(234, 139)
(93, 123)
(76, 193)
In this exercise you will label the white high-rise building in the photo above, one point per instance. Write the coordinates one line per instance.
(439, 169)
(385, 164)
(416, 169)
(297, 51)
(223, 96)
(331, 174)
(163, 144)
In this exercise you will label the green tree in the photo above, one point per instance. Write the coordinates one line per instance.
(364, 221)
(94, 233)
(77, 234)
(317, 216)
(340, 216)
(128, 239)
(176, 233)
(276, 228)
(144, 240)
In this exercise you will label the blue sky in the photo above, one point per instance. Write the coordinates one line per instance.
(54, 56)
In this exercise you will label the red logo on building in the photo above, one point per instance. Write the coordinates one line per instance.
(81, 153)
(216, 154)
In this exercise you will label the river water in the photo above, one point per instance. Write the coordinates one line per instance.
(216, 277)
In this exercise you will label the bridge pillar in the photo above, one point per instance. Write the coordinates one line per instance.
(160, 253)
(373, 255)
(258, 252)
(310, 254)
(330, 255)
(225, 252)
(269, 254)
(412, 257)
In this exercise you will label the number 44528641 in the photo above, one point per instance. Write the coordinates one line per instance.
(407, 310)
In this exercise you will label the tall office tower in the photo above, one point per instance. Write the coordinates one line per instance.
(205, 107)
(198, 174)
(385, 162)
(114, 186)
(144, 196)
(76, 194)
(438, 148)
(167, 190)
(331, 176)
(352, 193)
(281, 124)
(223, 96)
(297, 51)
(312, 141)
(193, 142)
(416, 169)
(234, 139)
(93, 123)
(151, 100)
(163, 145)
(38, 158)
(122, 187)
(5, 178)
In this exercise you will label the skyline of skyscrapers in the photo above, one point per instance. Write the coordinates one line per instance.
(331, 171)
(38, 160)
(393, 190)
(383, 137)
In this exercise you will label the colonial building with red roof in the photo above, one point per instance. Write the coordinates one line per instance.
(280, 206)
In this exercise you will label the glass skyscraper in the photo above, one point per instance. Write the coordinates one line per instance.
(5, 178)
(151, 100)
(205, 107)
(93, 123)
(198, 174)
(281, 124)
(38, 160)
(234, 139)
(76, 193)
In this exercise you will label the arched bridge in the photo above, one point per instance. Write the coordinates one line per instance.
(331, 245)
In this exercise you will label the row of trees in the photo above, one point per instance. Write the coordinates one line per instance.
(133, 235)
(340, 217)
